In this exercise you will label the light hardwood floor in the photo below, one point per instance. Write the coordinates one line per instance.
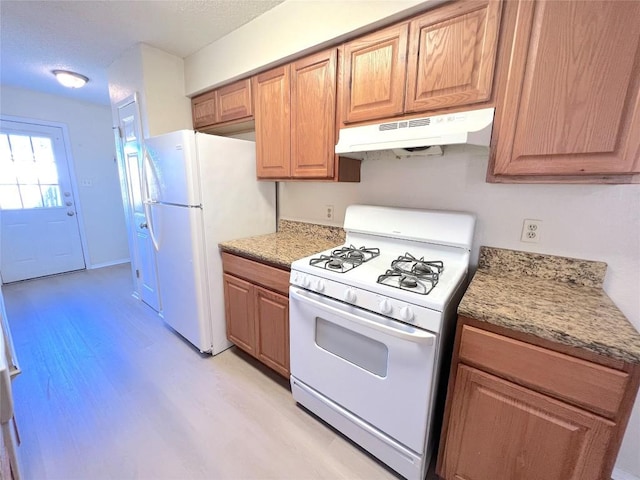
(109, 391)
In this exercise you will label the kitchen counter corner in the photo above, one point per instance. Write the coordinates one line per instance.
(292, 241)
(554, 298)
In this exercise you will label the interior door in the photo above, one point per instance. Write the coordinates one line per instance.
(40, 231)
(143, 259)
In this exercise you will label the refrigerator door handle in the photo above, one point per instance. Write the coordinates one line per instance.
(146, 202)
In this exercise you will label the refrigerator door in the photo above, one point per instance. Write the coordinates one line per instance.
(171, 169)
(182, 271)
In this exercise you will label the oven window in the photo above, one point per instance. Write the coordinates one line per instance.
(353, 347)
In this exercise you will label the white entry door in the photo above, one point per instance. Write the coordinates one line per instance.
(143, 258)
(40, 232)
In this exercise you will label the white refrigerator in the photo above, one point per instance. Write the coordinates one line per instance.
(200, 190)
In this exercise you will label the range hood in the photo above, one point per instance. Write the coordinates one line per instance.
(471, 127)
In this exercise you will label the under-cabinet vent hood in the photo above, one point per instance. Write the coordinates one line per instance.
(472, 127)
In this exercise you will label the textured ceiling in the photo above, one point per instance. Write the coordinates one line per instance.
(86, 36)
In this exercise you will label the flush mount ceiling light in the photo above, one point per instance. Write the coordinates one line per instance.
(70, 79)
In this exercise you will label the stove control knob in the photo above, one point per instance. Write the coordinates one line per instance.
(305, 282)
(385, 306)
(295, 278)
(320, 285)
(350, 295)
(406, 314)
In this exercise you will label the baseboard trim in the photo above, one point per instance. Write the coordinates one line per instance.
(109, 264)
(618, 474)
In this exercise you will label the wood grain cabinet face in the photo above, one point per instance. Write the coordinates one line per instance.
(313, 115)
(452, 53)
(374, 75)
(572, 98)
(295, 115)
(273, 123)
(203, 109)
(234, 101)
(239, 312)
(225, 104)
(272, 330)
(257, 317)
(523, 410)
(500, 431)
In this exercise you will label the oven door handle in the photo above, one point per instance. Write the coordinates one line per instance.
(342, 318)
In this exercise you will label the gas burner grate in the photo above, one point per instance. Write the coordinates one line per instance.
(344, 259)
(412, 274)
(406, 281)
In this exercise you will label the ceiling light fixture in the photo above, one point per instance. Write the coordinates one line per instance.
(70, 79)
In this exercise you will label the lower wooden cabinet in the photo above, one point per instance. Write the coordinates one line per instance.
(257, 310)
(501, 431)
(272, 330)
(239, 312)
(520, 410)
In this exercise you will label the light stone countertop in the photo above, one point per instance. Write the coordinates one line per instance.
(292, 241)
(556, 298)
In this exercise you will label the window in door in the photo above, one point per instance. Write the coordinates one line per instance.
(28, 173)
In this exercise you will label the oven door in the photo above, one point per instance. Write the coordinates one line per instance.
(378, 369)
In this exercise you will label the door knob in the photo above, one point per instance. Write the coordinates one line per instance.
(71, 214)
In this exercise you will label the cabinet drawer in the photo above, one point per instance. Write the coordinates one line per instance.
(256, 272)
(595, 387)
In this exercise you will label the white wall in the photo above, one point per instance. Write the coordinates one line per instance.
(158, 78)
(288, 29)
(596, 222)
(93, 152)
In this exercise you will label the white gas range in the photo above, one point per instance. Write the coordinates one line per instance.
(369, 322)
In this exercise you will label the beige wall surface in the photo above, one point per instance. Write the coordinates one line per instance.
(158, 78)
(93, 154)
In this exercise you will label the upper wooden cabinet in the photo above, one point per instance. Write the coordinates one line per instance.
(571, 102)
(452, 53)
(272, 93)
(313, 115)
(374, 75)
(234, 102)
(203, 109)
(295, 116)
(230, 103)
(442, 59)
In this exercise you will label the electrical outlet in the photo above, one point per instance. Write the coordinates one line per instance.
(328, 212)
(531, 230)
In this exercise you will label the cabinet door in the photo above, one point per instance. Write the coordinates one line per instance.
(239, 312)
(203, 109)
(452, 53)
(500, 431)
(273, 123)
(313, 115)
(572, 98)
(374, 75)
(272, 330)
(234, 101)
